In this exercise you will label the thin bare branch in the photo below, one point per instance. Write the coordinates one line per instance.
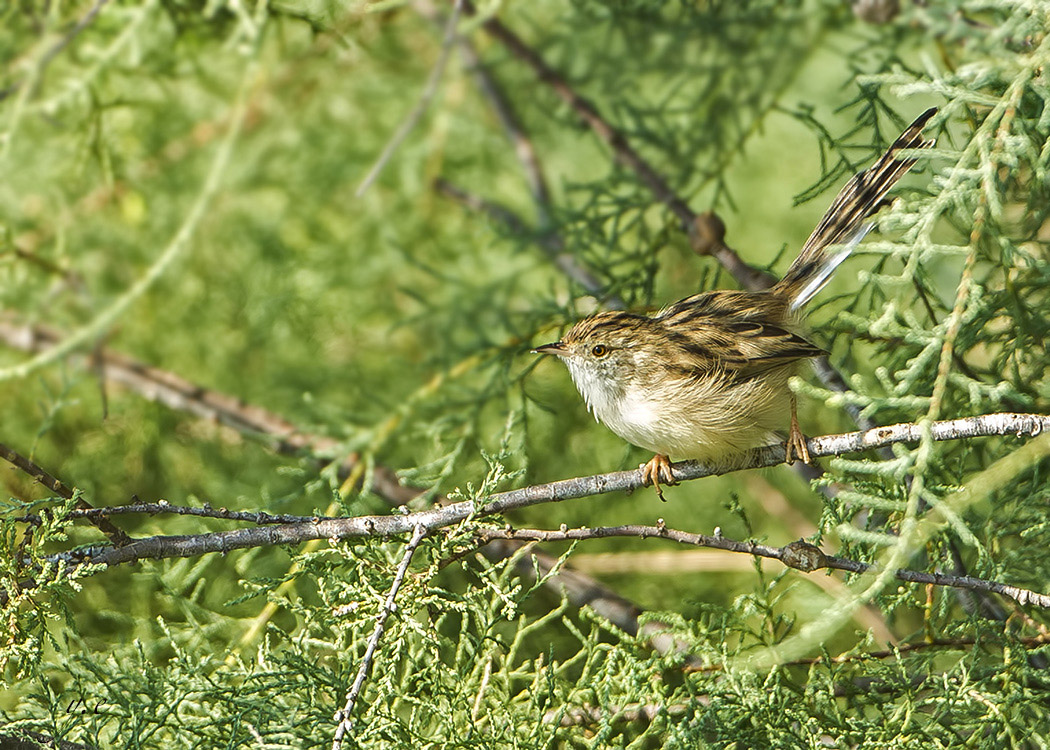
(695, 226)
(800, 555)
(421, 106)
(516, 133)
(344, 717)
(56, 49)
(545, 237)
(548, 241)
(39, 475)
(206, 511)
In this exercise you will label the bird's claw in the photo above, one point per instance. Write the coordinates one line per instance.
(657, 470)
(796, 442)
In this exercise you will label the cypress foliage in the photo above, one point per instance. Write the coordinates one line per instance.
(179, 186)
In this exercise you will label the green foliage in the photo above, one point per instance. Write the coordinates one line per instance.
(178, 184)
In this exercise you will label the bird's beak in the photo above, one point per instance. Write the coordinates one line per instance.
(557, 348)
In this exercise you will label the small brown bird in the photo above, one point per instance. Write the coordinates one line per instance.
(708, 375)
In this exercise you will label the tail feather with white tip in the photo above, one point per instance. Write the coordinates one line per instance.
(845, 222)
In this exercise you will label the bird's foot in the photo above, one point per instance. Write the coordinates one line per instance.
(796, 442)
(657, 470)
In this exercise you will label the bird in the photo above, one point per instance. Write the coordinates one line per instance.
(707, 376)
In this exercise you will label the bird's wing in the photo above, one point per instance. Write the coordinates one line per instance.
(741, 334)
(750, 348)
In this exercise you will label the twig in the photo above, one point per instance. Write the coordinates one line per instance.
(523, 148)
(799, 555)
(180, 394)
(206, 511)
(57, 47)
(549, 242)
(567, 489)
(697, 227)
(493, 210)
(39, 475)
(421, 106)
(344, 716)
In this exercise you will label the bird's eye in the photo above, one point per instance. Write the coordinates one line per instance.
(600, 350)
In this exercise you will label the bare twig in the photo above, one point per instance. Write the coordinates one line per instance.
(523, 148)
(799, 555)
(57, 47)
(421, 106)
(180, 394)
(546, 238)
(344, 716)
(493, 210)
(696, 226)
(550, 242)
(39, 475)
(206, 511)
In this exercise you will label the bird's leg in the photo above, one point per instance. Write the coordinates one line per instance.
(657, 470)
(796, 442)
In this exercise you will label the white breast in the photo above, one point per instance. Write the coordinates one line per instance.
(688, 418)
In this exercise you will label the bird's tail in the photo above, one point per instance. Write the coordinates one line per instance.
(843, 226)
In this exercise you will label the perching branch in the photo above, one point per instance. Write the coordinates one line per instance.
(384, 526)
(344, 716)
